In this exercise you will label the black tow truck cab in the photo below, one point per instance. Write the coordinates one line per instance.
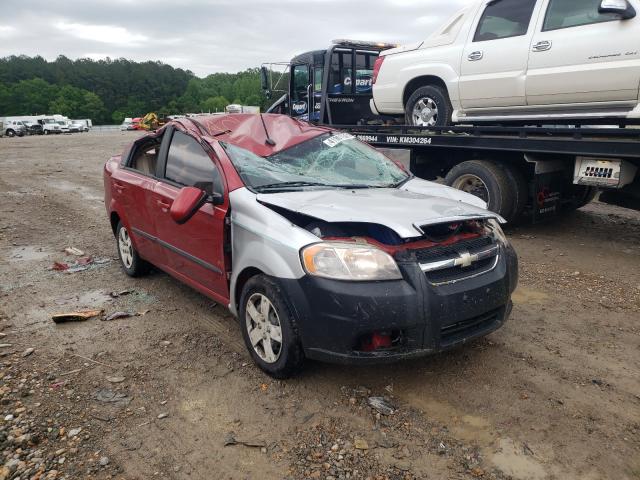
(529, 171)
(332, 86)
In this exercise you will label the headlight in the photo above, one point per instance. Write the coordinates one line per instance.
(346, 261)
(497, 231)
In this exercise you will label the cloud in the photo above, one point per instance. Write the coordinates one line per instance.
(7, 31)
(110, 34)
(207, 37)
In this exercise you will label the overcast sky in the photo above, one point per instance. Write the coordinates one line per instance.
(209, 36)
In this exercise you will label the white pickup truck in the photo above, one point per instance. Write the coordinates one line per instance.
(505, 60)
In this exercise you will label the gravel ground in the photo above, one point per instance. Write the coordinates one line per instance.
(171, 393)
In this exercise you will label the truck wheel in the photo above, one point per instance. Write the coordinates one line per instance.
(132, 263)
(11, 133)
(428, 107)
(46, 132)
(520, 190)
(583, 195)
(488, 181)
(269, 328)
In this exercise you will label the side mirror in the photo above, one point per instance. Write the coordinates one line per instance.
(186, 204)
(264, 81)
(620, 7)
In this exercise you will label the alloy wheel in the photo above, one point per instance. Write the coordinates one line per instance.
(425, 113)
(126, 248)
(263, 327)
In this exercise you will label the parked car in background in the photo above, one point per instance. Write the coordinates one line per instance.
(64, 126)
(504, 60)
(49, 126)
(76, 127)
(322, 246)
(127, 124)
(85, 124)
(13, 128)
(33, 128)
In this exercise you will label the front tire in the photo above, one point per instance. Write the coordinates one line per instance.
(429, 106)
(11, 133)
(131, 262)
(269, 328)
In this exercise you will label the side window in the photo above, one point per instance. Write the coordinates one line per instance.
(189, 165)
(340, 77)
(300, 81)
(145, 156)
(318, 73)
(569, 13)
(504, 19)
(364, 71)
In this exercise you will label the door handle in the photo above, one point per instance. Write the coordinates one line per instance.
(475, 56)
(542, 46)
(119, 187)
(165, 206)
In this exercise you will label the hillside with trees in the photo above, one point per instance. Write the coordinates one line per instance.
(109, 90)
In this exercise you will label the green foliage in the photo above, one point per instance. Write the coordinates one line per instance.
(109, 90)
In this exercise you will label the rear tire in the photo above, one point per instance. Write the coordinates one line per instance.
(428, 107)
(489, 182)
(520, 191)
(131, 262)
(269, 329)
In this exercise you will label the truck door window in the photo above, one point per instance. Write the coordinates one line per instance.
(189, 165)
(569, 13)
(300, 82)
(317, 79)
(364, 71)
(504, 19)
(341, 75)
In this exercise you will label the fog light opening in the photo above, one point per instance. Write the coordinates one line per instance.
(379, 341)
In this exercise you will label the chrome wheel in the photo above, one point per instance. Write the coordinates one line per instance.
(263, 327)
(425, 113)
(472, 184)
(126, 248)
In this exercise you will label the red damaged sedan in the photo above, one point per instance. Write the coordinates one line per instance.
(322, 247)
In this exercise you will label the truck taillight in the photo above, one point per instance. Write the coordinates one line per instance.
(376, 68)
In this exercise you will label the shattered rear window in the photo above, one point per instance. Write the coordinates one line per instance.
(328, 160)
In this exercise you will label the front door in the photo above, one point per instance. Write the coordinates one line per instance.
(579, 55)
(494, 60)
(195, 249)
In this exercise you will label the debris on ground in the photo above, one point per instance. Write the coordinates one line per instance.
(231, 439)
(121, 293)
(115, 379)
(382, 405)
(116, 315)
(119, 399)
(28, 352)
(74, 251)
(163, 415)
(78, 316)
(80, 265)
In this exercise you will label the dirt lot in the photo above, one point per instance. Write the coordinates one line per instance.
(555, 394)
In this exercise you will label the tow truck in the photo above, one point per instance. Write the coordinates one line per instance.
(525, 172)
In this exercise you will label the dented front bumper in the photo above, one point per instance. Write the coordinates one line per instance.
(336, 318)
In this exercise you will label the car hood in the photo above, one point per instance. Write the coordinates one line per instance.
(403, 209)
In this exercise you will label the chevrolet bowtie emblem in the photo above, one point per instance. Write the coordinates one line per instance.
(465, 260)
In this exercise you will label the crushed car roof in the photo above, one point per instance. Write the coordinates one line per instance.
(247, 131)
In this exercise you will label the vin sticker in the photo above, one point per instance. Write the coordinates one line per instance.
(336, 139)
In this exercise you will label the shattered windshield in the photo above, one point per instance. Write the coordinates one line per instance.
(329, 160)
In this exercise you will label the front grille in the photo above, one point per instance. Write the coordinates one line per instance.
(435, 254)
(438, 262)
(455, 274)
(464, 329)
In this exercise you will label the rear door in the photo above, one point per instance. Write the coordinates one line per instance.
(132, 188)
(194, 250)
(579, 55)
(494, 60)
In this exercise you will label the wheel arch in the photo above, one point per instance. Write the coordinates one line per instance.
(241, 280)
(423, 81)
(114, 219)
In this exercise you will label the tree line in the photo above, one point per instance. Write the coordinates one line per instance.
(109, 90)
